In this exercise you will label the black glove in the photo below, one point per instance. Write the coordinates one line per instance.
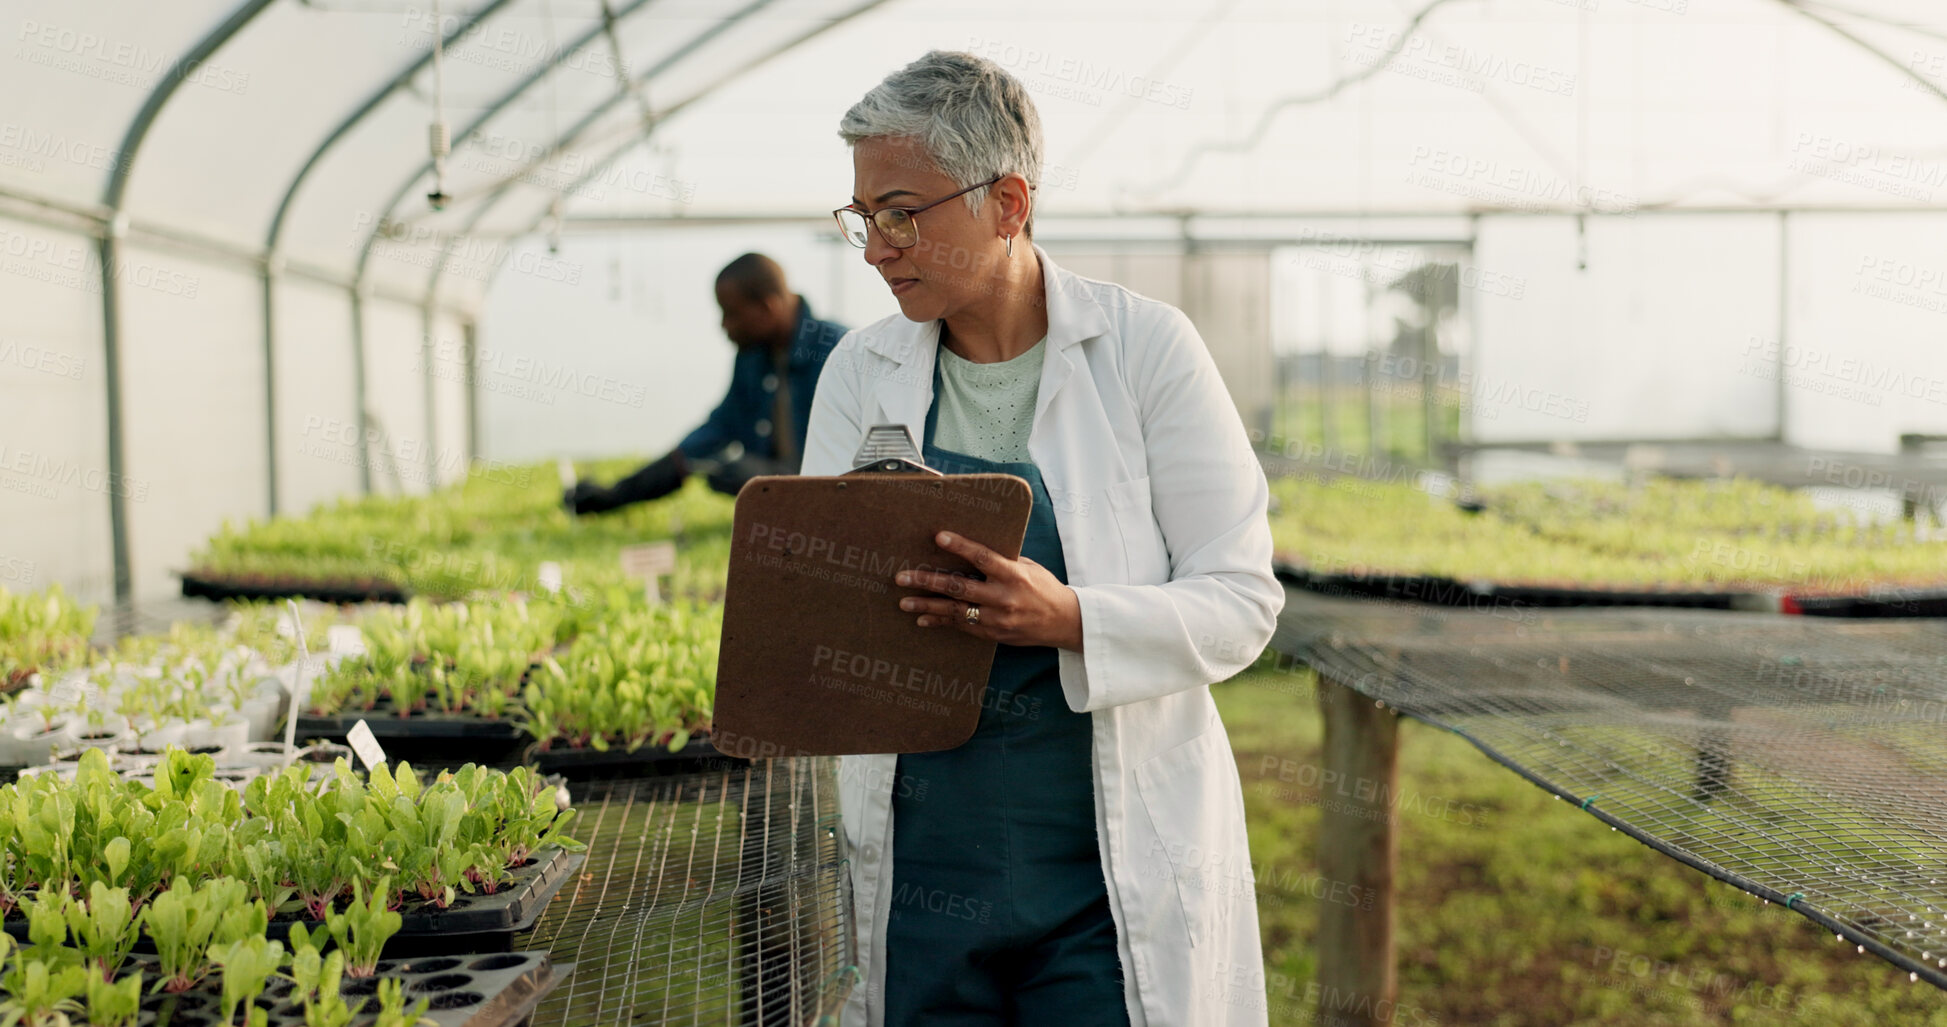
(653, 481)
(729, 477)
(584, 497)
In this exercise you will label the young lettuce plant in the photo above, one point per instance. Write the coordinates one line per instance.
(424, 828)
(324, 1005)
(40, 994)
(47, 930)
(247, 964)
(392, 1006)
(261, 865)
(43, 817)
(362, 930)
(530, 820)
(182, 921)
(104, 928)
(115, 1003)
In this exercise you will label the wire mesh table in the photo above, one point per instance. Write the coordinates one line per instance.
(1802, 760)
(707, 898)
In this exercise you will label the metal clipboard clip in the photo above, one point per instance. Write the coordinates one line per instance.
(889, 449)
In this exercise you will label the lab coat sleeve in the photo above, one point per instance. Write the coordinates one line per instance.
(833, 434)
(1207, 491)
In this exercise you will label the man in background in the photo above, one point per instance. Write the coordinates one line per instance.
(759, 428)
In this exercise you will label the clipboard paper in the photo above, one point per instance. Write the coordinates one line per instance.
(817, 658)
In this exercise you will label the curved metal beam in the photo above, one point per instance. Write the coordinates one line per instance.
(725, 79)
(378, 223)
(598, 167)
(564, 141)
(273, 262)
(111, 256)
(492, 109)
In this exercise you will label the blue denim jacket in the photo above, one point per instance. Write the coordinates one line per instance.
(745, 413)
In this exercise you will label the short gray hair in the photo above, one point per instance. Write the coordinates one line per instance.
(969, 115)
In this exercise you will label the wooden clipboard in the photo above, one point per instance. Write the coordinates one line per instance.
(816, 657)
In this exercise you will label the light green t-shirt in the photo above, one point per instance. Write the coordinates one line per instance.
(987, 410)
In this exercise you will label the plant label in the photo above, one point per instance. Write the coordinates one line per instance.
(549, 576)
(649, 561)
(298, 686)
(367, 747)
(567, 472)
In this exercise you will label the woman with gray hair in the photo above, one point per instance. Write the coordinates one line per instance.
(1082, 858)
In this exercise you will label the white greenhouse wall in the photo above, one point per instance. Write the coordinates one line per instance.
(316, 408)
(613, 345)
(1646, 342)
(395, 398)
(193, 402)
(450, 456)
(53, 432)
(1865, 357)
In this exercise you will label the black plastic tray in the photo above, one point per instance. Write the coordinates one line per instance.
(475, 922)
(1428, 589)
(648, 761)
(387, 724)
(425, 739)
(1560, 597)
(1930, 603)
(475, 990)
(212, 587)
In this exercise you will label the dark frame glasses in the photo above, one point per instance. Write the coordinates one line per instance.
(894, 223)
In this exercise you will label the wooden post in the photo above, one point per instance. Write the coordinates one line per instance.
(1357, 848)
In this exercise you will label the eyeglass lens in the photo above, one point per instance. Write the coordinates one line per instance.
(894, 224)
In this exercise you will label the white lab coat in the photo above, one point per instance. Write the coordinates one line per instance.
(1160, 503)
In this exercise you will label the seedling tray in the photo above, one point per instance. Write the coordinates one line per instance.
(1916, 603)
(474, 990)
(423, 738)
(650, 760)
(385, 722)
(475, 922)
(209, 586)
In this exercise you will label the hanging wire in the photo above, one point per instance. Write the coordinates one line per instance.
(1250, 140)
(625, 83)
(439, 136)
(1582, 139)
(1842, 32)
(554, 111)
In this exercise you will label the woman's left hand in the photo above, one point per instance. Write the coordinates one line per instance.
(1021, 602)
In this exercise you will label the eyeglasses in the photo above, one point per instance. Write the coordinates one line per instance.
(895, 224)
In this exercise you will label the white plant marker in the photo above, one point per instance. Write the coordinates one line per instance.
(367, 747)
(649, 561)
(299, 691)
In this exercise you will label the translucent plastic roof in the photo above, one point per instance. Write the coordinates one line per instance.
(1348, 107)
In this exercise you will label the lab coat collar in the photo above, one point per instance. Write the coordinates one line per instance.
(1074, 315)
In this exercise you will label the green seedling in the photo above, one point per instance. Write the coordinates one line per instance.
(104, 928)
(392, 1007)
(40, 994)
(114, 1003)
(362, 930)
(247, 963)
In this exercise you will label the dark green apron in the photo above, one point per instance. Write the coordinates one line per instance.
(999, 910)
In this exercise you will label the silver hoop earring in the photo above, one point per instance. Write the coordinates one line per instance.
(1010, 246)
